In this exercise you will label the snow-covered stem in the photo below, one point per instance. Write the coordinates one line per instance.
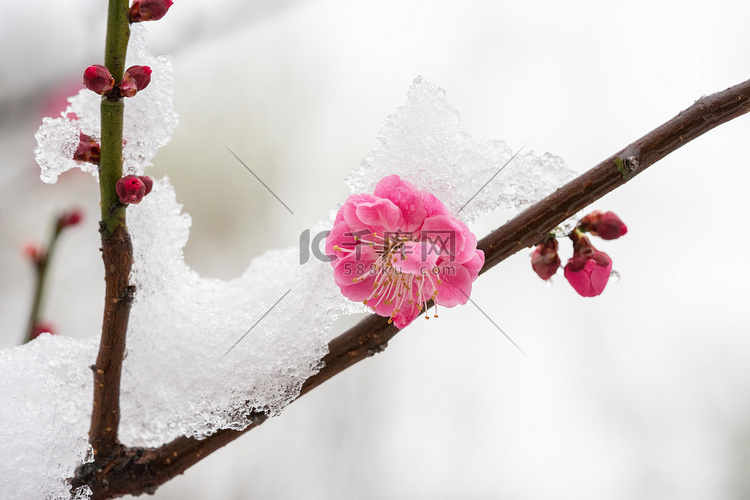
(142, 470)
(117, 250)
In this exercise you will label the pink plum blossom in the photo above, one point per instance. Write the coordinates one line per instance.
(398, 248)
(589, 269)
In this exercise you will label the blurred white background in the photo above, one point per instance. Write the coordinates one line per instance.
(642, 393)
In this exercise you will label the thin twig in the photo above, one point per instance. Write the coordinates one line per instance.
(41, 266)
(138, 470)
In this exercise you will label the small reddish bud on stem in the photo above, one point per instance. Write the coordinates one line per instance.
(88, 150)
(607, 226)
(42, 327)
(544, 260)
(589, 269)
(149, 10)
(135, 78)
(70, 218)
(97, 78)
(132, 188)
(33, 251)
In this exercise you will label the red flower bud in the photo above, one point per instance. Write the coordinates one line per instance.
(70, 218)
(88, 150)
(611, 227)
(98, 79)
(149, 10)
(607, 226)
(135, 78)
(589, 269)
(544, 259)
(132, 188)
(42, 327)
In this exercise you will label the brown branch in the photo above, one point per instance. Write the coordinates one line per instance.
(117, 253)
(138, 470)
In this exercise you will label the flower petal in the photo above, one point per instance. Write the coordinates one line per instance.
(349, 211)
(406, 314)
(406, 197)
(381, 215)
(589, 279)
(450, 237)
(454, 285)
(340, 236)
(416, 258)
(475, 264)
(432, 205)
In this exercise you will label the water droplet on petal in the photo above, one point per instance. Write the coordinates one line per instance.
(614, 276)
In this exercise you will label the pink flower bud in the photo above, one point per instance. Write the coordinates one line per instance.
(589, 269)
(611, 227)
(70, 218)
(88, 150)
(98, 79)
(544, 260)
(149, 10)
(132, 188)
(33, 252)
(135, 78)
(42, 327)
(607, 226)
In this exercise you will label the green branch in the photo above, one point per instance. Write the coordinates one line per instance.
(41, 266)
(112, 111)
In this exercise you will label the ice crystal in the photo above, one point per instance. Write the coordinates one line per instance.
(424, 143)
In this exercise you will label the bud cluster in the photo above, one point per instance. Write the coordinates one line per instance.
(97, 78)
(588, 270)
